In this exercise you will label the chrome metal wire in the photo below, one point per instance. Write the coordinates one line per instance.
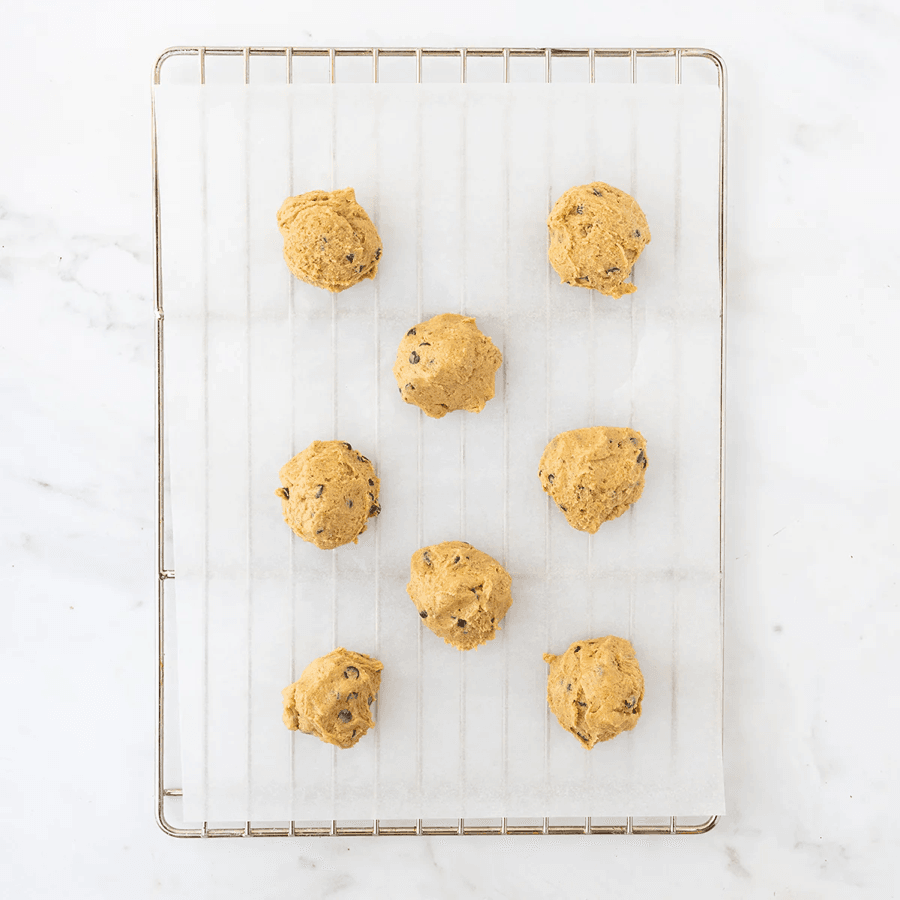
(502, 826)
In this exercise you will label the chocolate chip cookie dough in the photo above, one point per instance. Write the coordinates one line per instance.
(461, 593)
(596, 234)
(328, 493)
(446, 364)
(595, 688)
(594, 474)
(329, 241)
(331, 698)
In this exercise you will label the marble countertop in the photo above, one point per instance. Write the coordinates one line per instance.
(812, 495)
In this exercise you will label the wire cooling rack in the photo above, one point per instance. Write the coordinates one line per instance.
(594, 66)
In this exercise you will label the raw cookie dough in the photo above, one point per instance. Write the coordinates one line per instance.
(596, 234)
(595, 688)
(328, 493)
(329, 241)
(445, 364)
(331, 699)
(461, 593)
(594, 474)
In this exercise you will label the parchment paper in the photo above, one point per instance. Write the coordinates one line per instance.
(459, 181)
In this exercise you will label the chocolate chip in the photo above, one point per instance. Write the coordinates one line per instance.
(568, 687)
(319, 490)
(285, 492)
(351, 672)
(631, 702)
(374, 510)
(597, 193)
(408, 387)
(378, 253)
(424, 344)
(361, 458)
(577, 649)
(345, 715)
(352, 695)
(579, 209)
(579, 734)
(427, 557)
(633, 441)
(581, 703)
(410, 332)
(350, 257)
(613, 269)
(323, 239)
(474, 591)
(423, 614)
(320, 531)
(370, 495)
(414, 357)
(371, 481)
(641, 459)
(583, 278)
(455, 561)
(353, 735)
(460, 623)
(349, 503)
(564, 508)
(637, 233)
(346, 445)
(550, 478)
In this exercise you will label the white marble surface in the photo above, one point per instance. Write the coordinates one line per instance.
(813, 492)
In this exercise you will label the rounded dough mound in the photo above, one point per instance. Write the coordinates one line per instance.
(461, 593)
(594, 474)
(331, 698)
(329, 241)
(446, 364)
(595, 688)
(328, 493)
(596, 234)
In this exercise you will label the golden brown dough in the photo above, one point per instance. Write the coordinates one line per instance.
(596, 234)
(331, 698)
(329, 241)
(595, 689)
(328, 493)
(461, 593)
(594, 474)
(446, 364)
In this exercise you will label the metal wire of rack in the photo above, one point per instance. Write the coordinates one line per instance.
(501, 826)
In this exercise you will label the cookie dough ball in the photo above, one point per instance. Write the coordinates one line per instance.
(445, 364)
(595, 689)
(331, 698)
(596, 234)
(460, 592)
(329, 241)
(594, 474)
(328, 493)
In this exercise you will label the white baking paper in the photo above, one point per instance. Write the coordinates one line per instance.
(459, 181)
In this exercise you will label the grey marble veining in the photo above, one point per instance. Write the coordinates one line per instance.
(812, 491)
